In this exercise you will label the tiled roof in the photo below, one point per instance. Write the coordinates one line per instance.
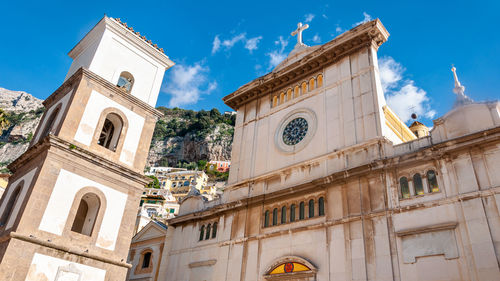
(138, 34)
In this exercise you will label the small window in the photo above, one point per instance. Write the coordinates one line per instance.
(86, 214)
(311, 208)
(311, 84)
(301, 211)
(186, 183)
(207, 236)
(282, 98)
(304, 87)
(214, 230)
(283, 214)
(275, 103)
(50, 123)
(266, 219)
(10, 205)
(432, 181)
(320, 81)
(405, 189)
(321, 203)
(296, 91)
(202, 232)
(126, 81)
(289, 94)
(292, 213)
(275, 216)
(111, 130)
(146, 260)
(417, 184)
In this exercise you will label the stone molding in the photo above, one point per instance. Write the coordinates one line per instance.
(429, 228)
(85, 73)
(67, 249)
(202, 263)
(53, 141)
(370, 34)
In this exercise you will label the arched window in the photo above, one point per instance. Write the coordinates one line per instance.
(304, 87)
(311, 84)
(146, 260)
(311, 208)
(296, 91)
(111, 130)
(214, 230)
(417, 184)
(320, 81)
(86, 214)
(301, 211)
(266, 219)
(275, 101)
(50, 123)
(126, 81)
(405, 189)
(432, 181)
(292, 213)
(321, 207)
(202, 232)
(10, 205)
(207, 236)
(289, 94)
(275, 216)
(282, 98)
(283, 214)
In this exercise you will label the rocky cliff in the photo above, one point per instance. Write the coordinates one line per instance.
(181, 136)
(21, 114)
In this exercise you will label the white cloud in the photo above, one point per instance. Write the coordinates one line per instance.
(324, 16)
(309, 17)
(366, 18)
(339, 29)
(187, 83)
(402, 96)
(316, 38)
(277, 56)
(216, 44)
(252, 43)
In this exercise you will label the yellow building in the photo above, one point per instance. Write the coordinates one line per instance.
(179, 182)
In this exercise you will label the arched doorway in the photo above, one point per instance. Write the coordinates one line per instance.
(291, 268)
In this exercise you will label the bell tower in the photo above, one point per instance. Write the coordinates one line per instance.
(69, 210)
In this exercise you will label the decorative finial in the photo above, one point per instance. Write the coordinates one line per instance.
(298, 32)
(459, 90)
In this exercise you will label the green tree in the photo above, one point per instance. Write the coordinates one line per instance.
(155, 183)
(4, 121)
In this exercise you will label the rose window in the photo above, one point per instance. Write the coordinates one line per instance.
(295, 131)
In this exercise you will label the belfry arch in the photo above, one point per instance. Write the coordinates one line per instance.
(291, 268)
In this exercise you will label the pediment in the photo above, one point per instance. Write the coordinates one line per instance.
(150, 231)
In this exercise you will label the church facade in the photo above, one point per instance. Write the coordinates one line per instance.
(326, 183)
(69, 210)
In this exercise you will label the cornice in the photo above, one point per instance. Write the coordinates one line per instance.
(74, 150)
(126, 34)
(85, 73)
(383, 164)
(372, 33)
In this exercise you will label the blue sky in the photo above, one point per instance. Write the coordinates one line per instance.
(221, 45)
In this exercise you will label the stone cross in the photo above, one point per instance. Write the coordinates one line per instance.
(298, 32)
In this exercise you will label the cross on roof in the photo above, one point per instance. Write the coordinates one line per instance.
(298, 32)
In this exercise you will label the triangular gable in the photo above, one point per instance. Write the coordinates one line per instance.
(150, 231)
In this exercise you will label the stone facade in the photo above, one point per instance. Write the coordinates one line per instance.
(69, 210)
(350, 195)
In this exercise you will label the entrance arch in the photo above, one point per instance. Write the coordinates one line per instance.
(291, 268)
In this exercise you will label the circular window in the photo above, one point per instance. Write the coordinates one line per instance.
(295, 131)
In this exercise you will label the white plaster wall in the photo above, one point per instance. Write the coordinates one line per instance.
(46, 267)
(27, 178)
(88, 124)
(62, 197)
(107, 54)
(64, 103)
